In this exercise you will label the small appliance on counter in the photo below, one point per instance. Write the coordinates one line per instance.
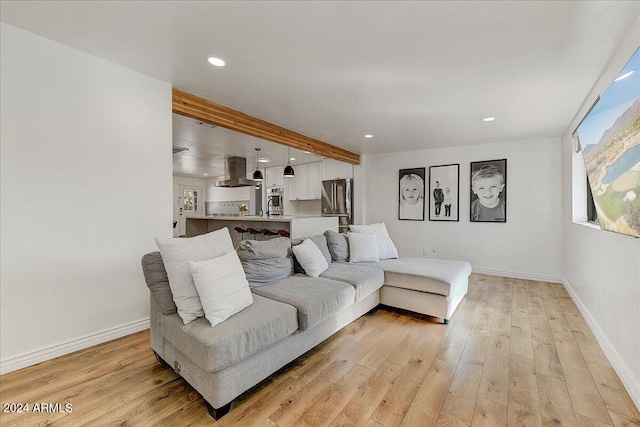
(337, 200)
(275, 202)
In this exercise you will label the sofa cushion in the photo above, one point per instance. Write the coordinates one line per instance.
(386, 248)
(362, 247)
(222, 287)
(436, 276)
(315, 298)
(338, 245)
(365, 280)
(266, 261)
(310, 258)
(256, 327)
(158, 283)
(320, 241)
(176, 254)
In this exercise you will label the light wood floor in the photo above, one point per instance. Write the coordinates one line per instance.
(516, 353)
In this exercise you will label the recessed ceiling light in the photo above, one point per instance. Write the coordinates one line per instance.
(368, 135)
(216, 61)
(264, 160)
(205, 174)
(488, 119)
(624, 76)
(292, 158)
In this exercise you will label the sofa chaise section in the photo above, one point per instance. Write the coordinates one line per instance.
(433, 287)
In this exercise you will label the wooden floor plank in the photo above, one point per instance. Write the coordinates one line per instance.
(461, 400)
(425, 409)
(555, 403)
(394, 405)
(448, 420)
(363, 404)
(494, 384)
(585, 396)
(336, 398)
(615, 397)
(523, 405)
(489, 414)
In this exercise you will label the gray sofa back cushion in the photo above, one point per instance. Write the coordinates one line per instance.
(321, 243)
(158, 282)
(266, 261)
(338, 246)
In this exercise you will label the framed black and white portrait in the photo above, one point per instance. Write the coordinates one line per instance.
(444, 193)
(411, 194)
(489, 191)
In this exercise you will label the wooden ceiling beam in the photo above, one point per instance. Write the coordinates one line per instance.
(207, 111)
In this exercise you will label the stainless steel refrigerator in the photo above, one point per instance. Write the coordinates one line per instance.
(337, 200)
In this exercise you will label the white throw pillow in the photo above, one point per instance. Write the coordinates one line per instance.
(363, 247)
(176, 254)
(310, 258)
(386, 248)
(222, 286)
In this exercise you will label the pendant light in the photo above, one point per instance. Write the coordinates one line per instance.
(257, 175)
(288, 170)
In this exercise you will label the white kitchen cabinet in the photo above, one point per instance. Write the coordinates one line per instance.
(334, 169)
(274, 177)
(298, 186)
(314, 181)
(306, 184)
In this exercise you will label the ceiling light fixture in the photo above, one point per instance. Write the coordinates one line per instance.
(368, 135)
(288, 170)
(624, 76)
(264, 160)
(488, 119)
(216, 61)
(257, 175)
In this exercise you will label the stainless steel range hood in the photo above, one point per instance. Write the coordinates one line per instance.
(235, 173)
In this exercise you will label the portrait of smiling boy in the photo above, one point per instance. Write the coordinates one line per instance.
(488, 191)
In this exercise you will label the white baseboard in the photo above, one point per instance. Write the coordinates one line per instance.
(518, 275)
(48, 353)
(631, 383)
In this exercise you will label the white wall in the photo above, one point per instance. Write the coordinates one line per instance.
(85, 187)
(528, 245)
(602, 269)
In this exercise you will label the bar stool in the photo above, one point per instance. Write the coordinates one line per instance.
(268, 234)
(283, 233)
(239, 232)
(253, 233)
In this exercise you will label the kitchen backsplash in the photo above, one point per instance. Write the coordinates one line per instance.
(224, 208)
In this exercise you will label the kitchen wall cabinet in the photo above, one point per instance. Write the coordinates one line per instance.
(274, 177)
(334, 169)
(307, 182)
(314, 181)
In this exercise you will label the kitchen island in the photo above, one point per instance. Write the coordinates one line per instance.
(296, 225)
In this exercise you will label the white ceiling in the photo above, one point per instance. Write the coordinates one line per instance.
(414, 74)
(207, 146)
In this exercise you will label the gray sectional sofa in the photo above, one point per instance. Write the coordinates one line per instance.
(290, 314)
